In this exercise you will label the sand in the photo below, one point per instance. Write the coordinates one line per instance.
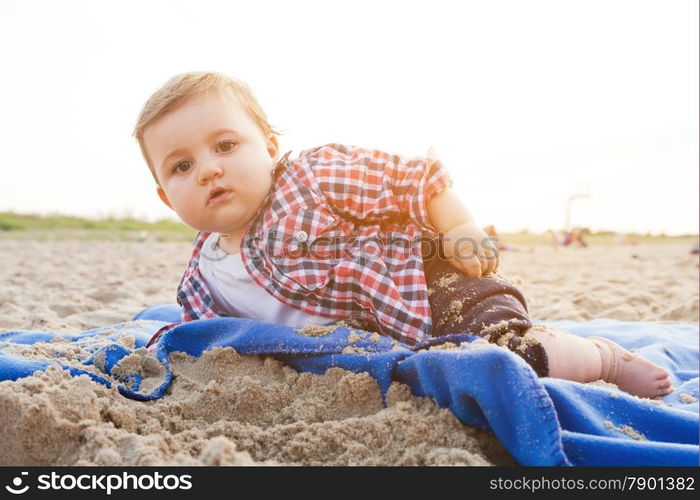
(226, 409)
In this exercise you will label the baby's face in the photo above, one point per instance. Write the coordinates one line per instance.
(207, 143)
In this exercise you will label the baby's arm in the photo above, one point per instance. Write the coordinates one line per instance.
(371, 185)
(446, 211)
(465, 244)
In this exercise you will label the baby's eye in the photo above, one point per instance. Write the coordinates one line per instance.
(226, 146)
(182, 166)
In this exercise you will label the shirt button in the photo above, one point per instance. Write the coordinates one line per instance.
(301, 236)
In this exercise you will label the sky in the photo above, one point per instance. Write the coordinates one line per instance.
(527, 103)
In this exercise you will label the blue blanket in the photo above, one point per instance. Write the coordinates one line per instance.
(540, 421)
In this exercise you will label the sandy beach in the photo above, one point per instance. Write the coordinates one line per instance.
(227, 409)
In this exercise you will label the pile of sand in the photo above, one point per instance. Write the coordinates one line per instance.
(226, 409)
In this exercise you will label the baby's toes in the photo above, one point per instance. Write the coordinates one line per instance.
(665, 392)
(664, 388)
(664, 384)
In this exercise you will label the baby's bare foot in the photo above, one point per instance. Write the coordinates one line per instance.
(630, 372)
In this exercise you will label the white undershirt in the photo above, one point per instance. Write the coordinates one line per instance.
(235, 293)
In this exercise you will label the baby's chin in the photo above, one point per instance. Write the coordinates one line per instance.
(223, 221)
(200, 228)
(214, 229)
(208, 230)
(204, 226)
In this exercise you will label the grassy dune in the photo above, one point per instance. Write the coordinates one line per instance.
(62, 227)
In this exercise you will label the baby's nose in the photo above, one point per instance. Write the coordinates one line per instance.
(208, 170)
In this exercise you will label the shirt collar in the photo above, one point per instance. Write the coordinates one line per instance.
(281, 165)
(276, 170)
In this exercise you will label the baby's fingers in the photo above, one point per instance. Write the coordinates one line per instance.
(462, 255)
(484, 264)
(470, 266)
(490, 264)
(490, 255)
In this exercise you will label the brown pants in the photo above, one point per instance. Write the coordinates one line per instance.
(491, 308)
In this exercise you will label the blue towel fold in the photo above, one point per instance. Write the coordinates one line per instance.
(540, 421)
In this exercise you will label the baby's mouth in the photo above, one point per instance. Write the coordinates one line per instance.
(218, 195)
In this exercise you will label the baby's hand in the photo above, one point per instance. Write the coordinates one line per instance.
(469, 249)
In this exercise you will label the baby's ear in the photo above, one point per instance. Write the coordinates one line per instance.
(163, 197)
(272, 146)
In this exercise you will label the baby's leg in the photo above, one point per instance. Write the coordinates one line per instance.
(494, 309)
(488, 307)
(594, 358)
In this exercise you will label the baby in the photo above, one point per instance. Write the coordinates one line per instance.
(341, 233)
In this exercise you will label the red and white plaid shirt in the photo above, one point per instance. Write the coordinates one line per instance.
(339, 236)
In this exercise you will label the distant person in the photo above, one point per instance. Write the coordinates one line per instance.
(574, 237)
(567, 238)
(578, 237)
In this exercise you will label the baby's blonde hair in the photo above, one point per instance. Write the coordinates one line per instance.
(185, 85)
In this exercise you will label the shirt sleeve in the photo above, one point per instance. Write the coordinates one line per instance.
(372, 184)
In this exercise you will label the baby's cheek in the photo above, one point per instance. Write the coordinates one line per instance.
(189, 214)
